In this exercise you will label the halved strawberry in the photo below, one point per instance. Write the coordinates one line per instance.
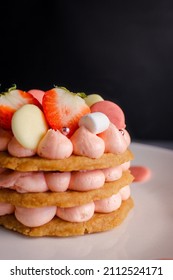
(12, 100)
(63, 109)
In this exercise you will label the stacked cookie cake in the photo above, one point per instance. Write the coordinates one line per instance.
(64, 163)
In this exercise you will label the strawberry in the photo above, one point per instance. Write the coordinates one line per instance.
(12, 100)
(63, 109)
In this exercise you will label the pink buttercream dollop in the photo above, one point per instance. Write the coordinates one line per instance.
(8, 178)
(86, 180)
(125, 192)
(58, 181)
(34, 217)
(23, 181)
(17, 150)
(77, 214)
(54, 145)
(114, 140)
(125, 166)
(112, 173)
(31, 182)
(6, 208)
(5, 137)
(87, 144)
(109, 204)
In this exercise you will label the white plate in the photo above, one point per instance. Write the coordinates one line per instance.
(145, 234)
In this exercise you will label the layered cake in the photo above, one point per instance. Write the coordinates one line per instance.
(64, 163)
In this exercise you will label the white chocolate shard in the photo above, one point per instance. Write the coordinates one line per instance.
(29, 126)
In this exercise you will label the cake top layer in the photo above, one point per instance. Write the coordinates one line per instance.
(57, 124)
(72, 163)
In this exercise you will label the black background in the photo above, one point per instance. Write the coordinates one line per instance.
(120, 49)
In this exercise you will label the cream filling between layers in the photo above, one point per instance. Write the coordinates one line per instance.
(24, 182)
(34, 217)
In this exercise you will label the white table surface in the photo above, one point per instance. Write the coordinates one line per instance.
(159, 143)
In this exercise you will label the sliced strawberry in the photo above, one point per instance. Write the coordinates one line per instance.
(12, 100)
(63, 110)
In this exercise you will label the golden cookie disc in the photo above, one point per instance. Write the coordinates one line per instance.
(73, 163)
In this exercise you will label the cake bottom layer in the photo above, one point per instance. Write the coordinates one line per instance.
(57, 227)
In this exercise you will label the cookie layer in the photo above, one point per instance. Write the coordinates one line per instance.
(57, 227)
(64, 199)
(73, 163)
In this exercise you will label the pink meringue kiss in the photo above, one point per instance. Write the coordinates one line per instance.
(114, 140)
(54, 145)
(17, 150)
(87, 144)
